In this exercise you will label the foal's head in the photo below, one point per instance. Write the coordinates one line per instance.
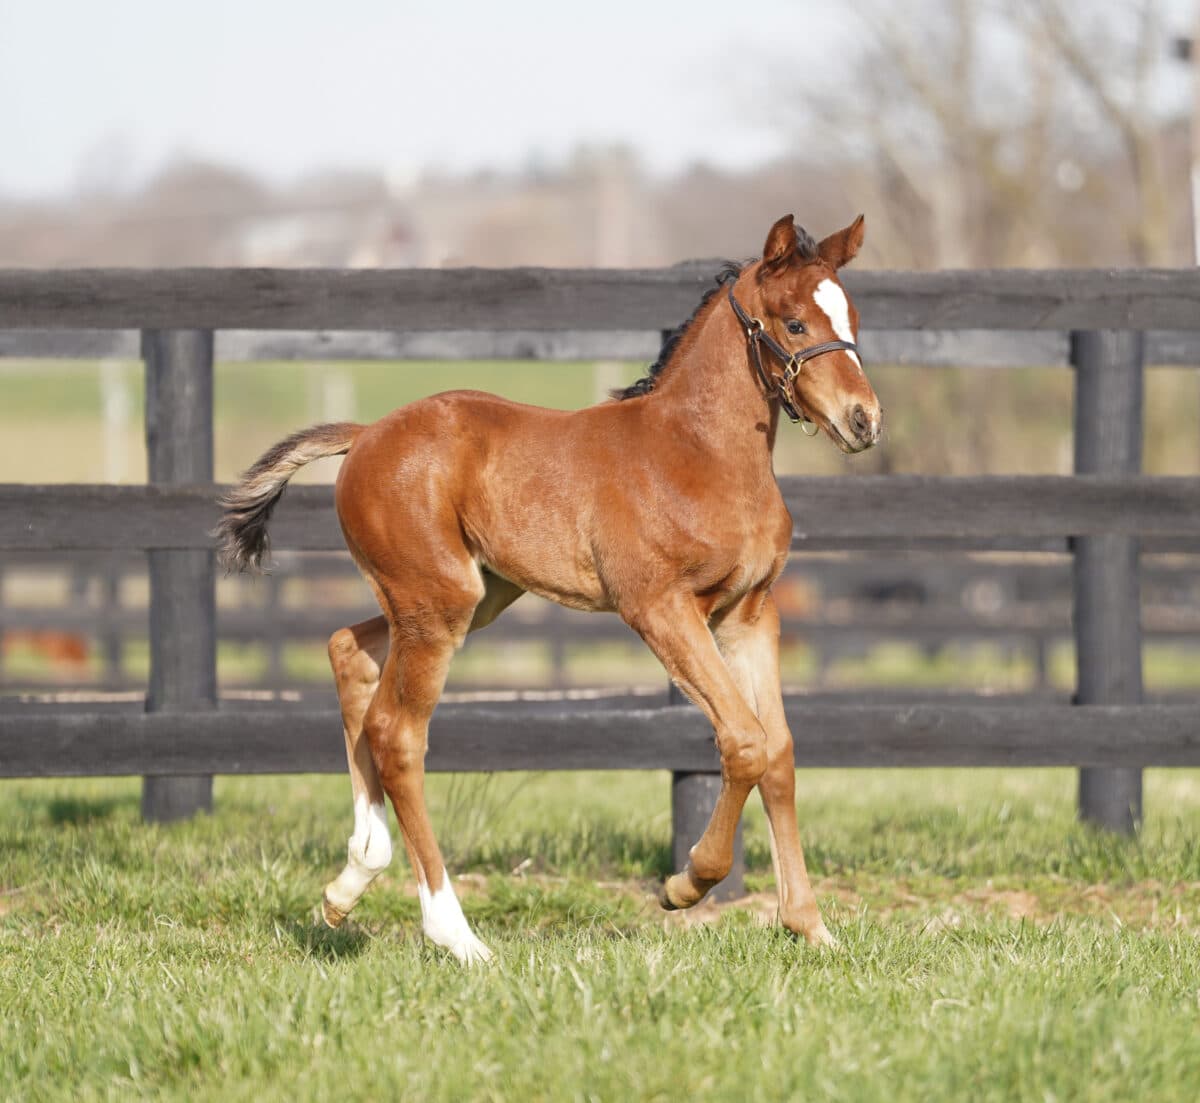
(795, 292)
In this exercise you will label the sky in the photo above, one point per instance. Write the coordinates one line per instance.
(106, 93)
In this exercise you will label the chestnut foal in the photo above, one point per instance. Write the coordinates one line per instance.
(661, 506)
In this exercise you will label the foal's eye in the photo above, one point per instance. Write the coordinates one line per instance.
(795, 327)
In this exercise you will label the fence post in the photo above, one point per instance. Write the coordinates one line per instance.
(275, 633)
(1108, 632)
(179, 448)
(693, 798)
(111, 635)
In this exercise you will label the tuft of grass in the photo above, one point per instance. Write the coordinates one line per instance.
(992, 948)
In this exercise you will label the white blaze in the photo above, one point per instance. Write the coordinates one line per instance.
(832, 299)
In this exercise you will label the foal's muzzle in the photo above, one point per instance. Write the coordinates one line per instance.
(857, 429)
(865, 427)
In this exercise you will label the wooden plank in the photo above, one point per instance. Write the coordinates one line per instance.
(183, 640)
(355, 299)
(968, 348)
(557, 299)
(1028, 299)
(1172, 347)
(471, 738)
(464, 344)
(934, 348)
(1003, 509)
(936, 570)
(927, 347)
(71, 344)
(863, 622)
(1108, 637)
(987, 506)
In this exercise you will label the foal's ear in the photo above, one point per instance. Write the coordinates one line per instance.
(842, 247)
(780, 249)
(787, 244)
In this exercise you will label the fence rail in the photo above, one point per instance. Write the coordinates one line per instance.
(992, 508)
(571, 299)
(972, 348)
(1105, 324)
(832, 604)
(520, 737)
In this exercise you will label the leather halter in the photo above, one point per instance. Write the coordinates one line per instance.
(783, 386)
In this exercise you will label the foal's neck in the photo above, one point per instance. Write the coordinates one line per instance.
(709, 392)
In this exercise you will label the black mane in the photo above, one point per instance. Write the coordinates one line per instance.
(729, 271)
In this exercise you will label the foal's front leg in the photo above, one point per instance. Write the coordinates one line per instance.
(749, 641)
(678, 635)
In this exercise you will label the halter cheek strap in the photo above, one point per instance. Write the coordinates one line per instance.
(782, 386)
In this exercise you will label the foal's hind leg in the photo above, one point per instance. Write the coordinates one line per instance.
(425, 633)
(397, 727)
(356, 655)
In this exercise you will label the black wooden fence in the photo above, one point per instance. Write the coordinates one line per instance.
(93, 618)
(1106, 325)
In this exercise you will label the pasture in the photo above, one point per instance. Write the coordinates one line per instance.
(991, 948)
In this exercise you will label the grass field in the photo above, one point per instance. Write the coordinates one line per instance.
(991, 948)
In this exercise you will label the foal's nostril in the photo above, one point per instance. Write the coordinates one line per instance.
(860, 423)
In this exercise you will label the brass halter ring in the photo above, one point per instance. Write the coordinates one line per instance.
(807, 426)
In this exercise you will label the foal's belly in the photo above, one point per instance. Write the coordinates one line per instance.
(545, 553)
(575, 585)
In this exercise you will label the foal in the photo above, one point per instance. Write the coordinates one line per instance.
(661, 506)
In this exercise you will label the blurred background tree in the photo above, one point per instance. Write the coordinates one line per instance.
(973, 133)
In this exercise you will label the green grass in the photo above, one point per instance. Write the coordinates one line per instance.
(991, 948)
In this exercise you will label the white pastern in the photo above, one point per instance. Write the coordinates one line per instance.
(446, 926)
(832, 299)
(368, 855)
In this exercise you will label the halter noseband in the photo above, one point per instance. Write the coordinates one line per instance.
(783, 386)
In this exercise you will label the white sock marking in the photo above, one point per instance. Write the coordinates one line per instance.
(830, 298)
(446, 926)
(368, 855)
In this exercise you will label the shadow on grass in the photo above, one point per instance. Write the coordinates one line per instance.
(325, 944)
(83, 810)
(589, 849)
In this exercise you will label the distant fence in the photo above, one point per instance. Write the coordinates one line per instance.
(1106, 325)
(91, 620)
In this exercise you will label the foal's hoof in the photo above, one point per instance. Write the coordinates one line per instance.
(470, 951)
(820, 938)
(681, 891)
(332, 914)
(816, 934)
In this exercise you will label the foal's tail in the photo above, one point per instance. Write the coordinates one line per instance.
(242, 530)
